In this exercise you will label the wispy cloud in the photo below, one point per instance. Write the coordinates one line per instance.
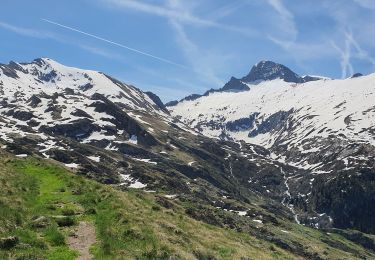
(200, 62)
(43, 35)
(226, 10)
(350, 50)
(206, 63)
(345, 54)
(115, 43)
(286, 36)
(158, 10)
(27, 31)
(359, 51)
(178, 15)
(101, 52)
(287, 24)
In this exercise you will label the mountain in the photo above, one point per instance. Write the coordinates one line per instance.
(325, 128)
(262, 71)
(61, 126)
(269, 70)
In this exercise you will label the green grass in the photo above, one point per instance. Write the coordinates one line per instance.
(128, 224)
(54, 237)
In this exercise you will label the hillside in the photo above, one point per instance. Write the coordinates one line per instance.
(42, 205)
(323, 127)
(83, 150)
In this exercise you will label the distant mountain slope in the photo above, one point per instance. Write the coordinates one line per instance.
(326, 127)
(259, 115)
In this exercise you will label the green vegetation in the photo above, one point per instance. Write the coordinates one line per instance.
(42, 204)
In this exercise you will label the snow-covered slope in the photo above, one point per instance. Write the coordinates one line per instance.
(280, 111)
(324, 127)
(38, 97)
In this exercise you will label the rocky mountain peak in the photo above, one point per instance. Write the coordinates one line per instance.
(269, 70)
(234, 84)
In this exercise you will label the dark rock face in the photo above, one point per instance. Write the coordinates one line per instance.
(235, 84)
(121, 120)
(34, 101)
(310, 78)
(272, 123)
(80, 113)
(47, 77)
(242, 124)
(191, 97)
(268, 70)
(86, 87)
(171, 103)
(78, 129)
(357, 75)
(9, 72)
(20, 115)
(157, 101)
(349, 199)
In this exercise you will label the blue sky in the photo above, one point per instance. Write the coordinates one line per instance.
(179, 47)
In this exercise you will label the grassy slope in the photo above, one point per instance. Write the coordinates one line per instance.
(129, 224)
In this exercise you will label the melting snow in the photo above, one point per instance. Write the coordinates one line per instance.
(72, 165)
(94, 158)
(133, 183)
(191, 163)
(170, 196)
(21, 155)
(133, 139)
(145, 160)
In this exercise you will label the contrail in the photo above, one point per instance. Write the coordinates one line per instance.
(114, 43)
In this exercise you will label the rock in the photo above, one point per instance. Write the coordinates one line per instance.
(157, 101)
(8, 242)
(40, 222)
(235, 84)
(357, 75)
(64, 221)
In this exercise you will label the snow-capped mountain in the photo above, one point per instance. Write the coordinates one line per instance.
(117, 134)
(262, 71)
(45, 97)
(278, 111)
(324, 126)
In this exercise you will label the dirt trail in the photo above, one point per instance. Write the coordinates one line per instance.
(84, 237)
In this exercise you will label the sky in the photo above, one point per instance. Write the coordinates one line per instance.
(178, 47)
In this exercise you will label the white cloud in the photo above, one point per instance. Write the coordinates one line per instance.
(350, 50)
(206, 63)
(41, 34)
(177, 14)
(287, 24)
(360, 53)
(345, 54)
(185, 17)
(201, 62)
(115, 43)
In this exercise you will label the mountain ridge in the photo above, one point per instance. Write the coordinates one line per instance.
(325, 127)
(261, 71)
